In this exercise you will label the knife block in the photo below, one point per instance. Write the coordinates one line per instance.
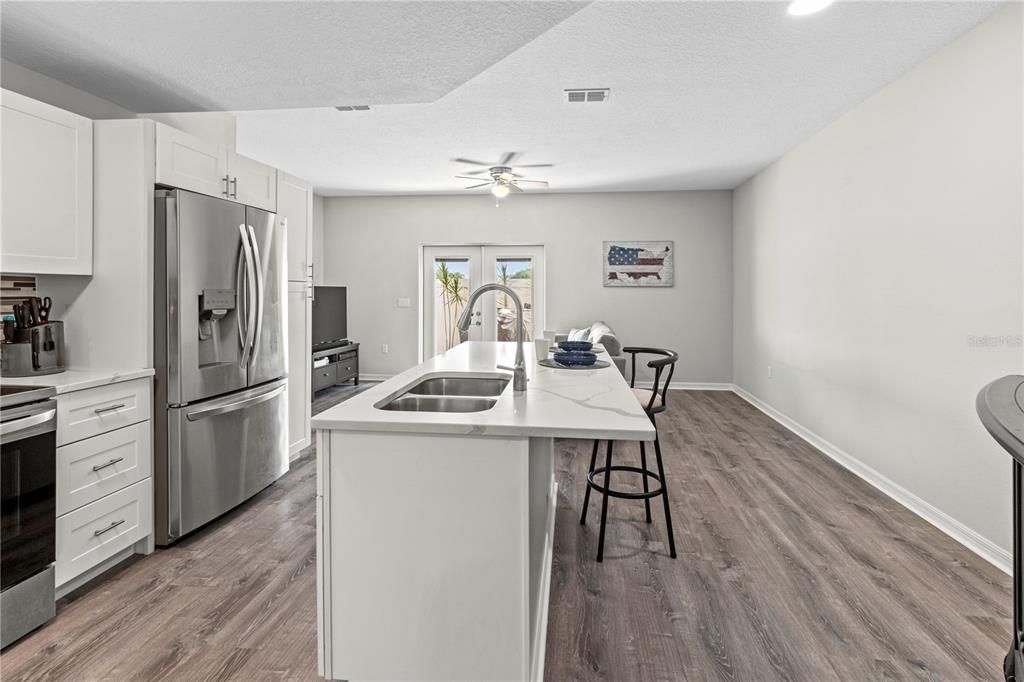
(34, 351)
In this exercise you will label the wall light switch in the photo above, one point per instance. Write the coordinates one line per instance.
(383, 348)
(404, 303)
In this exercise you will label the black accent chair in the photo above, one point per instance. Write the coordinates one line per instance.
(654, 402)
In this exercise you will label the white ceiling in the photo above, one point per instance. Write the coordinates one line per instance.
(213, 56)
(704, 94)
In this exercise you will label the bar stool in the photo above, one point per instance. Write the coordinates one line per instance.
(654, 402)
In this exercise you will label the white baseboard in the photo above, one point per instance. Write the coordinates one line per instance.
(690, 386)
(374, 377)
(982, 546)
(298, 447)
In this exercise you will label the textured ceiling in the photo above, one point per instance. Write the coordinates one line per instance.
(210, 56)
(704, 94)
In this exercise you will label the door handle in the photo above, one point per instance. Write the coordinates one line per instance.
(227, 183)
(224, 408)
(250, 286)
(17, 425)
(259, 294)
(234, 190)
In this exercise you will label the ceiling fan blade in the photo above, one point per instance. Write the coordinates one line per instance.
(471, 161)
(482, 184)
(534, 165)
(515, 188)
(469, 177)
(479, 171)
(536, 182)
(507, 159)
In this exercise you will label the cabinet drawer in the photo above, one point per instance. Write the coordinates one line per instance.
(346, 370)
(98, 531)
(323, 377)
(83, 414)
(94, 467)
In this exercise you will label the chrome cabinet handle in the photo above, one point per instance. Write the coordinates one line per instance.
(234, 191)
(227, 183)
(100, 467)
(112, 526)
(101, 410)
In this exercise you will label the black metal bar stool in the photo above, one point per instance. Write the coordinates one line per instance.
(654, 401)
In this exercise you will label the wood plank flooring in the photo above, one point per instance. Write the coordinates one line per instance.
(789, 567)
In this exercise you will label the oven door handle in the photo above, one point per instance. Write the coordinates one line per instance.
(18, 425)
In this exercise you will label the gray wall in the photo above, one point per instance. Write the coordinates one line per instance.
(869, 259)
(371, 245)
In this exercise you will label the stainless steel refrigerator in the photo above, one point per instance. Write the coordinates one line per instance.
(220, 354)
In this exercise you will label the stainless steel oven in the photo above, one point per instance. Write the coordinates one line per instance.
(28, 495)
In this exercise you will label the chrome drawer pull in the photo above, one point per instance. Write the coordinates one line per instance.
(101, 410)
(115, 524)
(111, 463)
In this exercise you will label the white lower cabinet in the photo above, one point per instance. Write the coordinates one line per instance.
(104, 477)
(82, 414)
(95, 467)
(93, 533)
(299, 365)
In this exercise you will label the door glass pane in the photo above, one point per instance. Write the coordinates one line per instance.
(516, 274)
(451, 290)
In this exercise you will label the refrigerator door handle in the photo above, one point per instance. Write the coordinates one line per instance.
(242, 303)
(251, 297)
(255, 348)
(223, 407)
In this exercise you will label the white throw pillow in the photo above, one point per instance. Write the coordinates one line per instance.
(597, 330)
(579, 334)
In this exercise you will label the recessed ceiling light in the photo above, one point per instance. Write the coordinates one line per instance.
(799, 8)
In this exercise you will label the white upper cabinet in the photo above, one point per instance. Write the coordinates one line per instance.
(295, 204)
(192, 163)
(252, 183)
(46, 191)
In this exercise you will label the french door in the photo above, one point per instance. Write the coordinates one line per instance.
(451, 273)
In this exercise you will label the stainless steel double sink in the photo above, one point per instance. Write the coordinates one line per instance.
(449, 393)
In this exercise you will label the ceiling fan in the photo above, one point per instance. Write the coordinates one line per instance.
(504, 178)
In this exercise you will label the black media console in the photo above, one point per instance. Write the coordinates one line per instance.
(342, 364)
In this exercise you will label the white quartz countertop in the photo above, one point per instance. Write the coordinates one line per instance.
(80, 379)
(558, 403)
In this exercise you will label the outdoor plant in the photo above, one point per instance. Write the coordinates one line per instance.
(451, 301)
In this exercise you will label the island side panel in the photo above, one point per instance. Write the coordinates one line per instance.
(543, 497)
(427, 549)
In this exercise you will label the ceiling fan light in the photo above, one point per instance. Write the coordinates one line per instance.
(500, 190)
(801, 7)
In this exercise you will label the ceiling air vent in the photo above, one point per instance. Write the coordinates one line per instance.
(588, 95)
(354, 107)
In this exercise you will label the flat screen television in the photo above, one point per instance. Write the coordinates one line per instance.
(330, 316)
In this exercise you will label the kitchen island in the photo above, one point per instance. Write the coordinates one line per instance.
(435, 528)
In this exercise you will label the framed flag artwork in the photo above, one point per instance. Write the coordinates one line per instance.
(638, 264)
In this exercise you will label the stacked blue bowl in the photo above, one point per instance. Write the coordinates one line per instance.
(575, 353)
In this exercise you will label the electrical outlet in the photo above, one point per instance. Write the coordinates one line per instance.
(384, 348)
(769, 371)
(404, 303)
